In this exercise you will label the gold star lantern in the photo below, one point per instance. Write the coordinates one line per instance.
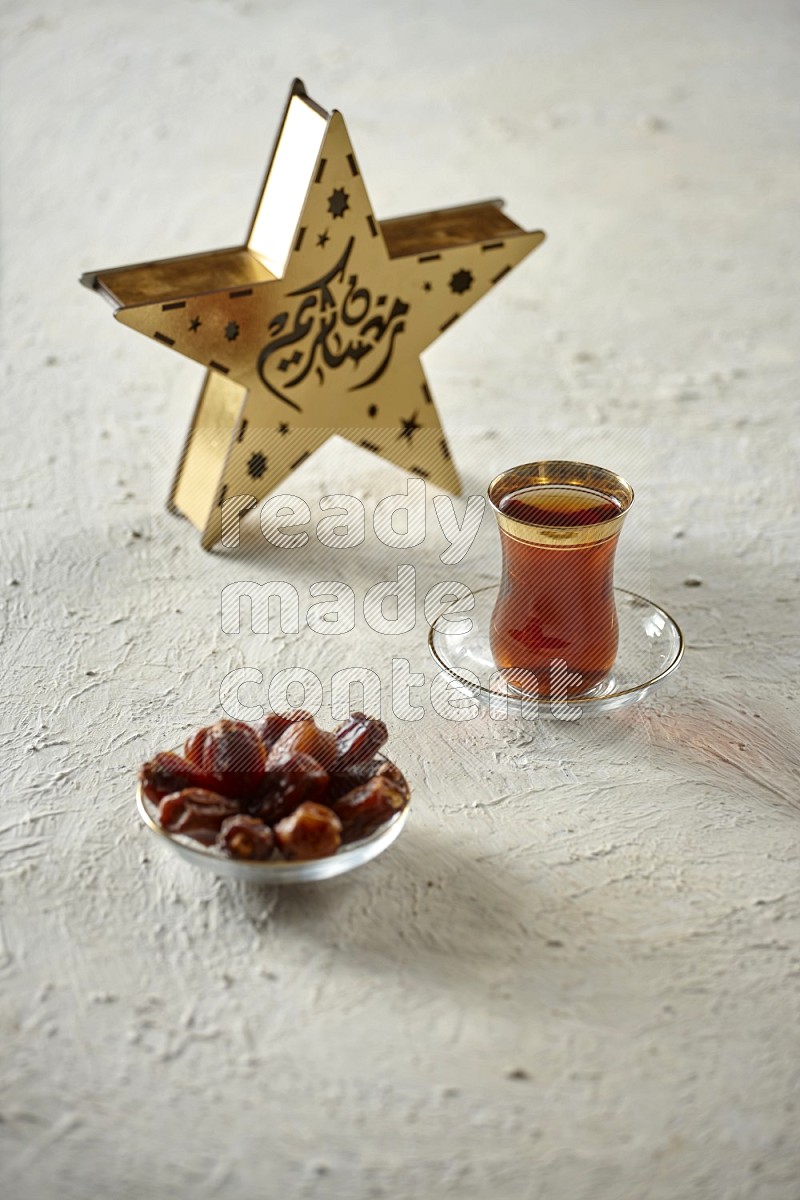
(315, 325)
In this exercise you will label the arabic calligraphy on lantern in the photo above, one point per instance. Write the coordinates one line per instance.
(336, 325)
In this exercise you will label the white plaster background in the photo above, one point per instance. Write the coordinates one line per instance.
(577, 975)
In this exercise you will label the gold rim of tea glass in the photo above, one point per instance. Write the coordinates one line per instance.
(560, 473)
(569, 701)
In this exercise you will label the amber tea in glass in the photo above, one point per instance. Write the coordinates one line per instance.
(554, 626)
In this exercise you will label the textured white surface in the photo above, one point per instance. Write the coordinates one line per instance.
(576, 976)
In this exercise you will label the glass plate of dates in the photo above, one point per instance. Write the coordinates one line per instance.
(284, 801)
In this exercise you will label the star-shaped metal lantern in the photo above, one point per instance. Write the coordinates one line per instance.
(315, 325)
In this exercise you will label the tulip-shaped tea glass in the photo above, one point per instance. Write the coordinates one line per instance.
(554, 628)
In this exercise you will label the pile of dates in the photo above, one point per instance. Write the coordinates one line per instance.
(282, 789)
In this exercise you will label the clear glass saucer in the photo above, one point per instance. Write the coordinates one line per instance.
(274, 872)
(650, 649)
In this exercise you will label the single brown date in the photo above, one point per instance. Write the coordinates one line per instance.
(364, 809)
(393, 775)
(311, 831)
(246, 837)
(289, 783)
(349, 778)
(273, 725)
(168, 772)
(358, 739)
(346, 779)
(305, 737)
(195, 812)
(230, 755)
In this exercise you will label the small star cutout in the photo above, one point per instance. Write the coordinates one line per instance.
(427, 285)
(372, 411)
(283, 429)
(257, 465)
(232, 331)
(461, 281)
(322, 238)
(195, 324)
(410, 427)
(338, 202)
